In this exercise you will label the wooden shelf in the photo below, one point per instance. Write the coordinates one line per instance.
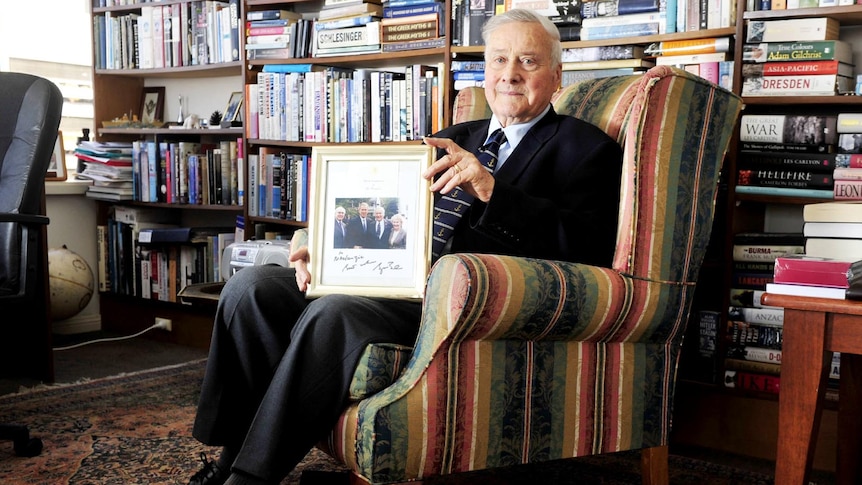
(215, 70)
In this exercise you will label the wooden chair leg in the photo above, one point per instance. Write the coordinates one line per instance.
(654, 466)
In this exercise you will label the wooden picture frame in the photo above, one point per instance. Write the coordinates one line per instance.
(234, 105)
(152, 105)
(57, 167)
(388, 178)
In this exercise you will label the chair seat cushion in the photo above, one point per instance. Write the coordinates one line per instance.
(378, 367)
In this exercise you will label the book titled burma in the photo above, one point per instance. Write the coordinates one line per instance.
(814, 50)
(766, 246)
(805, 269)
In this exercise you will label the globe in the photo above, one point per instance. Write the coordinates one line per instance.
(71, 281)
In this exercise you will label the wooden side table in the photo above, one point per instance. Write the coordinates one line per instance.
(814, 328)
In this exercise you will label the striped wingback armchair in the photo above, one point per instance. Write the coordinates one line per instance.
(525, 360)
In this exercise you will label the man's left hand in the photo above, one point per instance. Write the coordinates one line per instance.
(458, 167)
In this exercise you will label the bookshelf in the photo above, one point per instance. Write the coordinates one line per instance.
(204, 85)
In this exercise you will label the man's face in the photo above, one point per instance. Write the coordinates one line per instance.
(363, 211)
(339, 214)
(378, 215)
(519, 80)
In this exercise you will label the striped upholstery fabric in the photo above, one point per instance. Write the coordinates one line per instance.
(524, 360)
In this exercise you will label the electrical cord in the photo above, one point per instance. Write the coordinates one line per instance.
(111, 339)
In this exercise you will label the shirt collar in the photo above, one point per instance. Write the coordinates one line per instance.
(514, 134)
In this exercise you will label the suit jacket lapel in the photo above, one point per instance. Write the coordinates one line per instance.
(530, 145)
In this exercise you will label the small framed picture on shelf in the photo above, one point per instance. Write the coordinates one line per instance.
(369, 220)
(234, 104)
(57, 167)
(152, 105)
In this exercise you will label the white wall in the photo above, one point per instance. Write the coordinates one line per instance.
(46, 30)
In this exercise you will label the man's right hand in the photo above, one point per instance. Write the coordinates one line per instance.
(299, 258)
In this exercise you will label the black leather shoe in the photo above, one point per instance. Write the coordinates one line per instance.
(209, 474)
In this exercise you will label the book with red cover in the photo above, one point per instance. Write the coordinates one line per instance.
(803, 269)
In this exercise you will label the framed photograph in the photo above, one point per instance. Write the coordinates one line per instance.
(369, 220)
(57, 168)
(233, 106)
(152, 105)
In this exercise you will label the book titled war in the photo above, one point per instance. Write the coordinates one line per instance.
(788, 132)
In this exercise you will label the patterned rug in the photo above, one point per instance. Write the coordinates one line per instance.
(136, 429)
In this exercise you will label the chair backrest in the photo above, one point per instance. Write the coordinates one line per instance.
(30, 110)
(664, 137)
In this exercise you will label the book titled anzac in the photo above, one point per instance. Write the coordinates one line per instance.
(815, 50)
(762, 316)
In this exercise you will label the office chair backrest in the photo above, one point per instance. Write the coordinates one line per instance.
(30, 110)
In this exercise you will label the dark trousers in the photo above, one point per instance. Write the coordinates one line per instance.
(280, 366)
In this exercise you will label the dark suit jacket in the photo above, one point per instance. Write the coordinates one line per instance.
(339, 235)
(556, 197)
(378, 241)
(356, 236)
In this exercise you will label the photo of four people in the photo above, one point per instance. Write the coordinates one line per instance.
(365, 226)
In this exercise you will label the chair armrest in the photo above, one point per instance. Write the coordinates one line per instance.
(29, 219)
(492, 297)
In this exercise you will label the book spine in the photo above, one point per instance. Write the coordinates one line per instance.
(848, 160)
(850, 143)
(414, 45)
(757, 354)
(748, 252)
(365, 35)
(763, 316)
(785, 129)
(457, 65)
(266, 15)
(821, 148)
(847, 173)
(847, 190)
(822, 50)
(750, 280)
(610, 8)
(389, 37)
(749, 381)
(615, 31)
(754, 335)
(849, 123)
(598, 53)
(412, 10)
(787, 160)
(784, 191)
(256, 31)
(795, 85)
(791, 30)
(792, 178)
(794, 67)
(752, 366)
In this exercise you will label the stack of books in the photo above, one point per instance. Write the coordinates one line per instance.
(610, 20)
(753, 333)
(268, 34)
(848, 166)
(787, 155)
(109, 166)
(412, 25)
(347, 28)
(468, 73)
(708, 57)
(581, 63)
(817, 276)
(833, 230)
(796, 57)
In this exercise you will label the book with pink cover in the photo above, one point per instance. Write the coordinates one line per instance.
(803, 269)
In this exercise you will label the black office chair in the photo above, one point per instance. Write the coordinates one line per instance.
(30, 109)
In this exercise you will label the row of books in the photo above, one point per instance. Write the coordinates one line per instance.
(181, 172)
(796, 57)
(315, 103)
(752, 5)
(195, 32)
(147, 253)
(814, 156)
(279, 184)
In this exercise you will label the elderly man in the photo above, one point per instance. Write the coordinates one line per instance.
(545, 186)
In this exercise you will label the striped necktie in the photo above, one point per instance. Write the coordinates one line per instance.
(449, 208)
